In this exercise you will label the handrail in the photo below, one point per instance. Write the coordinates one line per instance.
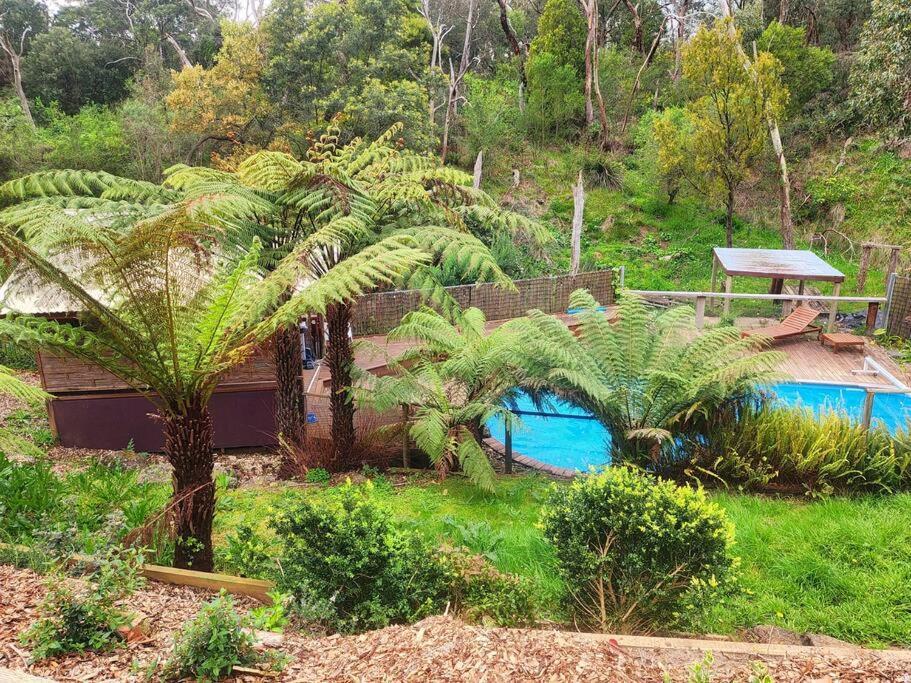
(762, 297)
(869, 362)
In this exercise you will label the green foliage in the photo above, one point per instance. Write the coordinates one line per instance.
(102, 489)
(73, 622)
(555, 98)
(759, 446)
(29, 494)
(87, 618)
(381, 79)
(209, 647)
(481, 594)
(646, 377)
(272, 617)
(317, 475)
(64, 69)
(882, 87)
(381, 104)
(637, 552)
(456, 377)
(561, 34)
(806, 70)
(489, 119)
(837, 565)
(350, 559)
(245, 553)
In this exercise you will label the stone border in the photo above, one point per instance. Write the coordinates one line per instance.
(531, 463)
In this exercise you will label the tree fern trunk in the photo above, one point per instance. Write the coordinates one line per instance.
(289, 399)
(189, 448)
(340, 359)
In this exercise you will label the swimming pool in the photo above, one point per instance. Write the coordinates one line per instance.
(578, 442)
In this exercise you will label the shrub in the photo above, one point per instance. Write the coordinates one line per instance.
(555, 98)
(761, 446)
(317, 475)
(635, 551)
(348, 563)
(480, 593)
(246, 554)
(29, 494)
(211, 645)
(74, 622)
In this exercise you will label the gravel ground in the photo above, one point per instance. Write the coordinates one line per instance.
(436, 649)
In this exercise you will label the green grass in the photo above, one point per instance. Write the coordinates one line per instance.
(840, 567)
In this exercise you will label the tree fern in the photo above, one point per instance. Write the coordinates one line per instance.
(646, 377)
(166, 310)
(457, 376)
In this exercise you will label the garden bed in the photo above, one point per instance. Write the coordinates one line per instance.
(438, 648)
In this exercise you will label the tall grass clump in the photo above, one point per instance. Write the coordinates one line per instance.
(761, 446)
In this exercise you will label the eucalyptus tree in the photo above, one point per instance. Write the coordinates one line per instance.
(164, 309)
(646, 378)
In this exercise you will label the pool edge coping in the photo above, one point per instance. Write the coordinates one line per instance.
(526, 461)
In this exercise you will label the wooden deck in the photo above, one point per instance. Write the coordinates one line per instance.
(806, 360)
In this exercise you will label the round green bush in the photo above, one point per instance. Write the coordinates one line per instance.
(637, 553)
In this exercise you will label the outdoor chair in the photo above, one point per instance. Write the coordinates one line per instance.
(796, 324)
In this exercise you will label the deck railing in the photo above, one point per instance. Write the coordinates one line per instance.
(701, 298)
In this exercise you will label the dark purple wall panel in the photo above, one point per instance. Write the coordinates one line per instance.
(242, 419)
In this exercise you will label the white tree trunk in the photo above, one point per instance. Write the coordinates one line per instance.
(478, 169)
(181, 54)
(576, 238)
(15, 60)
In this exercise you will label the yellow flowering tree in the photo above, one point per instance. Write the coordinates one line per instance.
(223, 103)
(725, 130)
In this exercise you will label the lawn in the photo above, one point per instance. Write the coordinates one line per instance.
(841, 566)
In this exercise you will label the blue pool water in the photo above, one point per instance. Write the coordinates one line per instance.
(579, 442)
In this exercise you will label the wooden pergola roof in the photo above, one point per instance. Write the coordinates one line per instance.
(777, 264)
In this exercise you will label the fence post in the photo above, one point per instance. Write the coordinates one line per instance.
(507, 456)
(406, 455)
(700, 312)
(868, 409)
(890, 288)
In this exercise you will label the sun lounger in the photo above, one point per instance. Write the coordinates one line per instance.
(794, 325)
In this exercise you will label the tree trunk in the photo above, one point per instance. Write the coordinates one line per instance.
(340, 360)
(289, 400)
(638, 41)
(15, 61)
(591, 9)
(478, 170)
(518, 49)
(729, 219)
(181, 53)
(188, 445)
(576, 238)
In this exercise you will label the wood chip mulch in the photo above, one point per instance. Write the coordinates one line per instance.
(436, 649)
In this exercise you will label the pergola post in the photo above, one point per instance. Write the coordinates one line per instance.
(714, 277)
(833, 309)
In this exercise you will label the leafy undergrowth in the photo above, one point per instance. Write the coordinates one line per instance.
(628, 221)
(841, 567)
